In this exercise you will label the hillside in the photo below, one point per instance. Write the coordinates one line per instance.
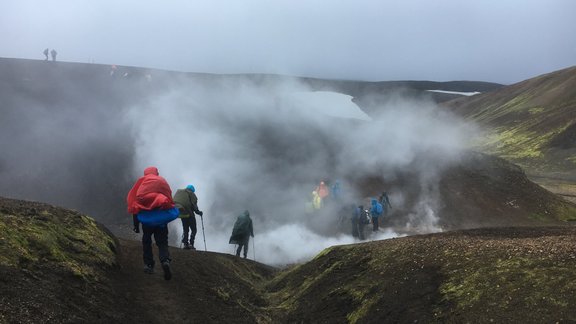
(531, 123)
(67, 142)
(58, 266)
(504, 275)
(512, 275)
(478, 191)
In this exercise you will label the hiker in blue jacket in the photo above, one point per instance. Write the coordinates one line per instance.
(375, 212)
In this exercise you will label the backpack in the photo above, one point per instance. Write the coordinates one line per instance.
(365, 217)
(379, 208)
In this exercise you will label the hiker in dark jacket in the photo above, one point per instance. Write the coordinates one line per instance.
(385, 202)
(187, 202)
(241, 233)
(359, 221)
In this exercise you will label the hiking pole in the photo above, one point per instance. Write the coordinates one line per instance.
(253, 249)
(203, 234)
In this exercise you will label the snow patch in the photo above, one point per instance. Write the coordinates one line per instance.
(456, 92)
(329, 103)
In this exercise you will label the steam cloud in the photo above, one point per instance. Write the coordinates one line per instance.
(248, 146)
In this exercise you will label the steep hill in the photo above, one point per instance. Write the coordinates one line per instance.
(531, 123)
(60, 266)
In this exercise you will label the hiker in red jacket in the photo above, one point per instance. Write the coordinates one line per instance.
(150, 203)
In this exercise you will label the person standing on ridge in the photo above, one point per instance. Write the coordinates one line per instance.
(241, 233)
(46, 54)
(385, 201)
(53, 53)
(187, 202)
(375, 212)
(150, 203)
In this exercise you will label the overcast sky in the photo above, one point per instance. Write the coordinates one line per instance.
(490, 40)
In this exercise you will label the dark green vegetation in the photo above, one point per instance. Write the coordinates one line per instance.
(68, 269)
(531, 123)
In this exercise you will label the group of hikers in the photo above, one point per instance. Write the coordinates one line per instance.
(324, 195)
(151, 205)
(53, 53)
(361, 217)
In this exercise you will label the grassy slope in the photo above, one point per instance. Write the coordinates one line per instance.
(509, 275)
(531, 123)
(59, 260)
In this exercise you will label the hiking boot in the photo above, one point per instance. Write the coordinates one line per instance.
(149, 269)
(192, 247)
(166, 269)
(186, 246)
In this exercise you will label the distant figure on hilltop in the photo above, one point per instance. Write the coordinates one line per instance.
(53, 53)
(46, 54)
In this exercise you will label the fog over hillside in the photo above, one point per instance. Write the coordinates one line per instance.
(78, 137)
(247, 146)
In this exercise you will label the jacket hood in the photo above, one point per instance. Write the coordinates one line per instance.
(151, 170)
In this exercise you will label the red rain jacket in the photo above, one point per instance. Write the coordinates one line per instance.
(150, 192)
(322, 190)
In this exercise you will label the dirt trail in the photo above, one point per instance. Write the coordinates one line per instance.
(206, 287)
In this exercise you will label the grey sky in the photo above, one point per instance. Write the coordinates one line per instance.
(490, 40)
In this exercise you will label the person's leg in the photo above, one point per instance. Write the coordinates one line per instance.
(377, 224)
(246, 241)
(239, 249)
(161, 238)
(185, 226)
(147, 253)
(193, 230)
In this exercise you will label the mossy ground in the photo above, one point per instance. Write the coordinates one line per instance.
(503, 275)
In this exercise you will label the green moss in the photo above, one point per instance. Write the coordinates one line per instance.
(69, 241)
(536, 110)
(366, 304)
(531, 281)
(565, 212)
